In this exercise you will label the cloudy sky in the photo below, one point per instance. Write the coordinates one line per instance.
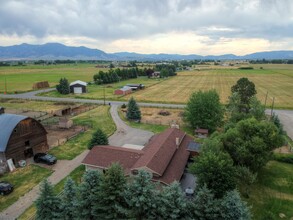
(151, 26)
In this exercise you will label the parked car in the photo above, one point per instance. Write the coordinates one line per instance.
(5, 188)
(45, 158)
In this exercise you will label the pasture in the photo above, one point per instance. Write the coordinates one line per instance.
(22, 78)
(276, 80)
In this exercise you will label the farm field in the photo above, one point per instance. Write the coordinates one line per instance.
(97, 91)
(22, 78)
(278, 82)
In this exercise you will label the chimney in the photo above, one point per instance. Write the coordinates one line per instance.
(177, 142)
(2, 110)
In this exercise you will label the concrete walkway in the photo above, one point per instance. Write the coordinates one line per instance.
(61, 169)
(125, 134)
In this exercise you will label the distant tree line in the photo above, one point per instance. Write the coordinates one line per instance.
(110, 195)
(274, 61)
(116, 75)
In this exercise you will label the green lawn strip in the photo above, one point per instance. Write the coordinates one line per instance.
(95, 118)
(272, 193)
(76, 175)
(23, 180)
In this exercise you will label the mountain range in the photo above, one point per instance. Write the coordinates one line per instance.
(57, 51)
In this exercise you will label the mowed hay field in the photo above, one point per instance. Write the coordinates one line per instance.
(277, 80)
(22, 78)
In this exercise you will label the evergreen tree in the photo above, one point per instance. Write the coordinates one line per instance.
(63, 86)
(47, 204)
(112, 204)
(68, 200)
(88, 195)
(232, 207)
(133, 111)
(142, 196)
(98, 138)
(205, 206)
(172, 203)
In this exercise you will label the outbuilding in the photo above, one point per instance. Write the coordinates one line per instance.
(123, 91)
(21, 137)
(78, 87)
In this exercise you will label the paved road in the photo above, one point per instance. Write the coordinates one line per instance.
(286, 116)
(125, 134)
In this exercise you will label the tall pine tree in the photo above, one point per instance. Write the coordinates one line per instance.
(48, 205)
(63, 86)
(68, 200)
(88, 194)
(112, 204)
(133, 111)
(141, 196)
(98, 138)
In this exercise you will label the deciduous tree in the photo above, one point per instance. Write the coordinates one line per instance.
(204, 110)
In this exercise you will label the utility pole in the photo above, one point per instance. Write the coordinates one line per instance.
(104, 96)
(266, 99)
(5, 85)
(272, 106)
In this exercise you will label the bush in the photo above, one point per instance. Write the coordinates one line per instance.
(123, 106)
(285, 158)
(246, 68)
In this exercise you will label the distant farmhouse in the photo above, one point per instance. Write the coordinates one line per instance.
(78, 87)
(165, 156)
(21, 137)
(123, 91)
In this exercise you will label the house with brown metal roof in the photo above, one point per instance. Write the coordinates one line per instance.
(165, 156)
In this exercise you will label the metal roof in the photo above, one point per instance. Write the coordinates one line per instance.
(7, 124)
(78, 82)
(193, 146)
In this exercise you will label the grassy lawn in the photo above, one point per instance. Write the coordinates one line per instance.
(96, 118)
(278, 83)
(23, 180)
(272, 193)
(75, 175)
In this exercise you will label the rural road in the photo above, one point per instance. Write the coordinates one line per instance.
(285, 116)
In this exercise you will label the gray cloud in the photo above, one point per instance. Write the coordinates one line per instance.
(108, 20)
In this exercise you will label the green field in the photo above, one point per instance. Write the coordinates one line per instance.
(22, 78)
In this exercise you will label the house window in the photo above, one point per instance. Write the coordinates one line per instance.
(27, 143)
(15, 130)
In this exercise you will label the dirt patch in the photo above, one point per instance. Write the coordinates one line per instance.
(283, 150)
(152, 116)
(57, 136)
